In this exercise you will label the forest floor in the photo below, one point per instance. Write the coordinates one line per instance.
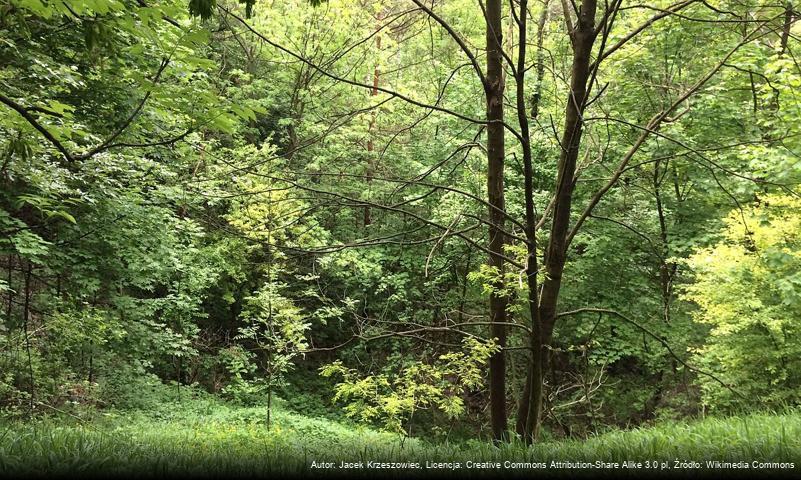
(210, 438)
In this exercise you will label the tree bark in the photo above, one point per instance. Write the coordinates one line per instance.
(368, 219)
(26, 320)
(583, 37)
(494, 88)
(788, 24)
(524, 425)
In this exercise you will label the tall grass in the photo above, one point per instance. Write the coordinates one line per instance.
(215, 439)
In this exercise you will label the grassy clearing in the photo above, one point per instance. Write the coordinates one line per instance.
(212, 438)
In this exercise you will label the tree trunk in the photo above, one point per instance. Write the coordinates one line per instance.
(523, 426)
(26, 321)
(495, 191)
(583, 38)
(788, 24)
(368, 220)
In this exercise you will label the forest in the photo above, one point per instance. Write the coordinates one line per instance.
(400, 236)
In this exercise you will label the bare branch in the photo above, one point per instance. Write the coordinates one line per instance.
(655, 337)
(457, 38)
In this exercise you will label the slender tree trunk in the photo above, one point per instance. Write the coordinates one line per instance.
(583, 38)
(524, 425)
(370, 145)
(788, 24)
(666, 269)
(296, 110)
(91, 377)
(269, 404)
(495, 192)
(26, 319)
(10, 292)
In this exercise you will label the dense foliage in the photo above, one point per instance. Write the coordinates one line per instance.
(290, 199)
(748, 291)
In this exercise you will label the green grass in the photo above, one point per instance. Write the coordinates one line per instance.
(207, 437)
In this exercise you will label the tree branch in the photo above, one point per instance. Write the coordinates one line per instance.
(655, 337)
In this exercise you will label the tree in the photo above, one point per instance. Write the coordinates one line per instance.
(746, 289)
(593, 38)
